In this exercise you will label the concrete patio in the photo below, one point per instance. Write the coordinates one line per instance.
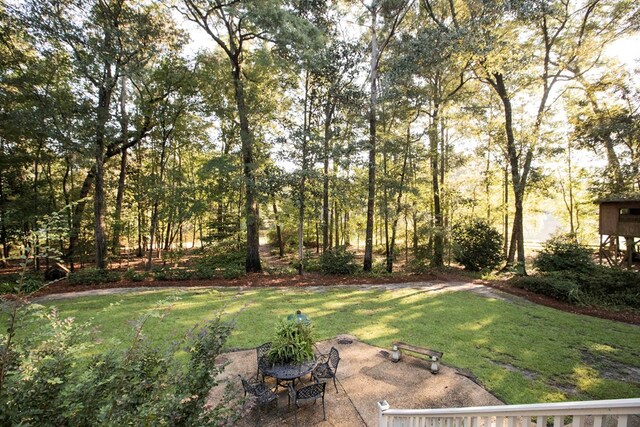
(365, 376)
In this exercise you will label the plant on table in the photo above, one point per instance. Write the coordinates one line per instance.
(292, 344)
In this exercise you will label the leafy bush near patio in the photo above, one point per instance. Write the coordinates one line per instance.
(337, 261)
(563, 252)
(47, 381)
(90, 276)
(293, 343)
(477, 245)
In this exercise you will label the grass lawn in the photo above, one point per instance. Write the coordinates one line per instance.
(521, 352)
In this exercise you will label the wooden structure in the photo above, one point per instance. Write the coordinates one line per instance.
(619, 218)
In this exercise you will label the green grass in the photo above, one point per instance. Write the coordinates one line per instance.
(521, 352)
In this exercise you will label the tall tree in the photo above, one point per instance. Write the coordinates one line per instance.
(392, 14)
(106, 39)
(233, 25)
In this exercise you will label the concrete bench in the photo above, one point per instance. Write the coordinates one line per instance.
(434, 355)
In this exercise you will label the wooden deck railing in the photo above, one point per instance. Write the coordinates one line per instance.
(595, 413)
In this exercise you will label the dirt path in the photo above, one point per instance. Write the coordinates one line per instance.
(432, 287)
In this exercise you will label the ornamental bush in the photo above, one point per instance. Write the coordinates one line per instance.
(91, 276)
(337, 261)
(558, 285)
(477, 245)
(564, 253)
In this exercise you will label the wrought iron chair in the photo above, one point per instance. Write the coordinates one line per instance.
(260, 393)
(325, 371)
(306, 394)
(261, 352)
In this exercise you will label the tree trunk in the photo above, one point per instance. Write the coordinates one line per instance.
(518, 180)
(336, 222)
(328, 117)
(368, 248)
(156, 202)
(99, 208)
(303, 177)
(278, 229)
(252, 264)
(124, 126)
(437, 260)
(396, 216)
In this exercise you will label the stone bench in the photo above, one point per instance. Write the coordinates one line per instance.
(434, 355)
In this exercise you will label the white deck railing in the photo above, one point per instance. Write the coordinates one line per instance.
(595, 413)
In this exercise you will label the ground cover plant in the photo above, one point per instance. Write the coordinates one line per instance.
(521, 352)
(567, 272)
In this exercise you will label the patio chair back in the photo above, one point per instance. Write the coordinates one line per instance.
(261, 352)
(305, 394)
(326, 371)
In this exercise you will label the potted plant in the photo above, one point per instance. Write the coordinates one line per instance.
(292, 344)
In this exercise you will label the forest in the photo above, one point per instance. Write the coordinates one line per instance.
(143, 128)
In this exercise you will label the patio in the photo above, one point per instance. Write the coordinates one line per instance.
(365, 376)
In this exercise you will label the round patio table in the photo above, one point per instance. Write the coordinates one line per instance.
(288, 372)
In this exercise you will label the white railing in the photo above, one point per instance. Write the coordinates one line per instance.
(595, 413)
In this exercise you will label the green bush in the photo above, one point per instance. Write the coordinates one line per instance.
(289, 237)
(603, 286)
(554, 285)
(337, 261)
(477, 245)
(293, 343)
(48, 382)
(563, 252)
(13, 283)
(233, 273)
(228, 264)
(204, 272)
(92, 276)
(609, 280)
(135, 276)
(171, 274)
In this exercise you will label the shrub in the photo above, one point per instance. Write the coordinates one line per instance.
(603, 286)
(563, 252)
(555, 285)
(289, 238)
(142, 384)
(91, 276)
(229, 264)
(607, 280)
(233, 273)
(337, 261)
(15, 283)
(135, 276)
(204, 272)
(168, 273)
(293, 343)
(477, 245)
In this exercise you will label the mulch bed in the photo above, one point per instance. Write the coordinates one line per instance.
(313, 279)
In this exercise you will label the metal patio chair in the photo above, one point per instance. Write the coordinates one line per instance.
(261, 353)
(306, 394)
(325, 371)
(260, 393)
